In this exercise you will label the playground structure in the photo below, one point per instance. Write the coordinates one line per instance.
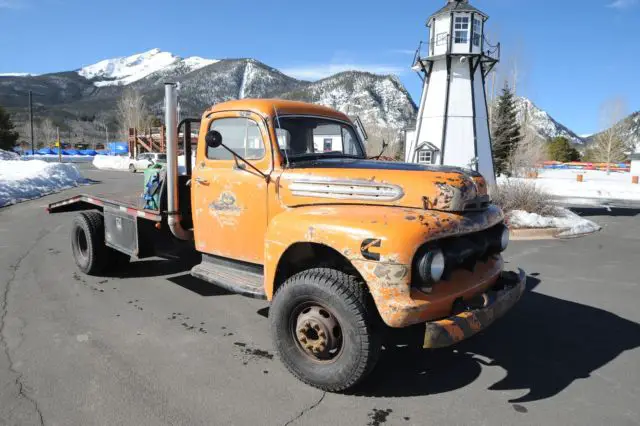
(154, 140)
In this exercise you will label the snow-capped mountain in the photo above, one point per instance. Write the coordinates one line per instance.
(16, 74)
(129, 69)
(542, 123)
(376, 99)
(628, 128)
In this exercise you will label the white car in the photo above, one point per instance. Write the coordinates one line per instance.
(145, 160)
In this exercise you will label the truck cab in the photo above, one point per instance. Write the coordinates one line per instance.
(284, 205)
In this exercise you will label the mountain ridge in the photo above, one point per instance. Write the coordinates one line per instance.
(380, 100)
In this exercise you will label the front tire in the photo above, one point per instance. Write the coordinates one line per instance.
(132, 168)
(323, 330)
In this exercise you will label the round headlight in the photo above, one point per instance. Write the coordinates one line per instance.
(431, 266)
(437, 265)
(504, 239)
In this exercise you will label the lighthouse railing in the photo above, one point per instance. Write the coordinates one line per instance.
(490, 50)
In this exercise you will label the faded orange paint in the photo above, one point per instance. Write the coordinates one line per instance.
(241, 215)
(230, 208)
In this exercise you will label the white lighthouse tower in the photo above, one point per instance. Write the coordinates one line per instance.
(452, 127)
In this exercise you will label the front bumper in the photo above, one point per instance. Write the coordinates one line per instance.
(503, 295)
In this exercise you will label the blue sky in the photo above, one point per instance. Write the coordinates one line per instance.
(572, 55)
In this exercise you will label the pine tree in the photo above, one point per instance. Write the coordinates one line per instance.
(505, 130)
(8, 137)
(560, 149)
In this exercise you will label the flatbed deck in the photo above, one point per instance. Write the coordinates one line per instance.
(127, 204)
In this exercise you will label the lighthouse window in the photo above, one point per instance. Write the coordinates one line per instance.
(462, 29)
(477, 32)
(425, 157)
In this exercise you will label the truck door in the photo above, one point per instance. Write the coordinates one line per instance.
(229, 199)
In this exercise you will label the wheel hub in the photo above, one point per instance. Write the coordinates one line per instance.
(318, 332)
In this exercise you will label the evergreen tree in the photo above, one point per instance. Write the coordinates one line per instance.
(8, 137)
(560, 149)
(505, 130)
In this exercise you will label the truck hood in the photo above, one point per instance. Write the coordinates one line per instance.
(354, 181)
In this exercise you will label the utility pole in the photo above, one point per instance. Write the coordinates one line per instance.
(59, 145)
(33, 149)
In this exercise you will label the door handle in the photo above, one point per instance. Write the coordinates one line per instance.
(201, 181)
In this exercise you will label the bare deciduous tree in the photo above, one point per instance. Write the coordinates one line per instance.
(102, 120)
(132, 111)
(529, 153)
(379, 135)
(610, 145)
(48, 131)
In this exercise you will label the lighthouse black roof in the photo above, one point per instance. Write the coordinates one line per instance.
(456, 6)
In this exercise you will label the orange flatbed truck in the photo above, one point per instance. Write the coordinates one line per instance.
(283, 205)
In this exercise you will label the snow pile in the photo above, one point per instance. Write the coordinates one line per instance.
(53, 158)
(110, 162)
(7, 155)
(26, 180)
(182, 170)
(565, 220)
(106, 162)
(597, 184)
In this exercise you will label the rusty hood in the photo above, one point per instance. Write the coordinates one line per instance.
(355, 181)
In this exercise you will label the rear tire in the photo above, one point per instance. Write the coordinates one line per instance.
(132, 168)
(323, 330)
(87, 244)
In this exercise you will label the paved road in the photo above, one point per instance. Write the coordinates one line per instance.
(158, 347)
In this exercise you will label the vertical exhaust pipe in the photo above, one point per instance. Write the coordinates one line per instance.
(174, 218)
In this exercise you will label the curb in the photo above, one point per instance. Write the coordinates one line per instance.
(530, 234)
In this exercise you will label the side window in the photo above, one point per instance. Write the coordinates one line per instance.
(241, 135)
(477, 31)
(461, 29)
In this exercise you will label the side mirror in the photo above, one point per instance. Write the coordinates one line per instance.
(213, 139)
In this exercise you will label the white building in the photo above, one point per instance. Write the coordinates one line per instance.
(452, 127)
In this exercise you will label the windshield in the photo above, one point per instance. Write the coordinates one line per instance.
(304, 138)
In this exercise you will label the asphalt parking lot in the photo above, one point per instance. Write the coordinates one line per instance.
(152, 345)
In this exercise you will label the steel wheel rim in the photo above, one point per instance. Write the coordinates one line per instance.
(82, 243)
(317, 332)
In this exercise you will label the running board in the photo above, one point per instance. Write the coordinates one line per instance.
(238, 277)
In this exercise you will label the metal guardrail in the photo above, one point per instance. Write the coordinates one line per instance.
(424, 49)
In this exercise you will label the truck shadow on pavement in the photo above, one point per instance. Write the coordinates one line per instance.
(544, 344)
(603, 211)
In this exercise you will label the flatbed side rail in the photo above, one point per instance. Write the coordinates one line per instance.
(84, 202)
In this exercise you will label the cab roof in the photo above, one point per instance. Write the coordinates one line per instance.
(265, 107)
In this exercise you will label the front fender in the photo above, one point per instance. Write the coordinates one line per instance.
(379, 241)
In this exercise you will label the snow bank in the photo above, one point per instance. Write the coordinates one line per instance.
(597, 184)
(26, 180)
(567, 221)
(107, 162)
(53, 158)
(6, 155)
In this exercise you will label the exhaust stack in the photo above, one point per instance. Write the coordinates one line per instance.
(174, 218)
